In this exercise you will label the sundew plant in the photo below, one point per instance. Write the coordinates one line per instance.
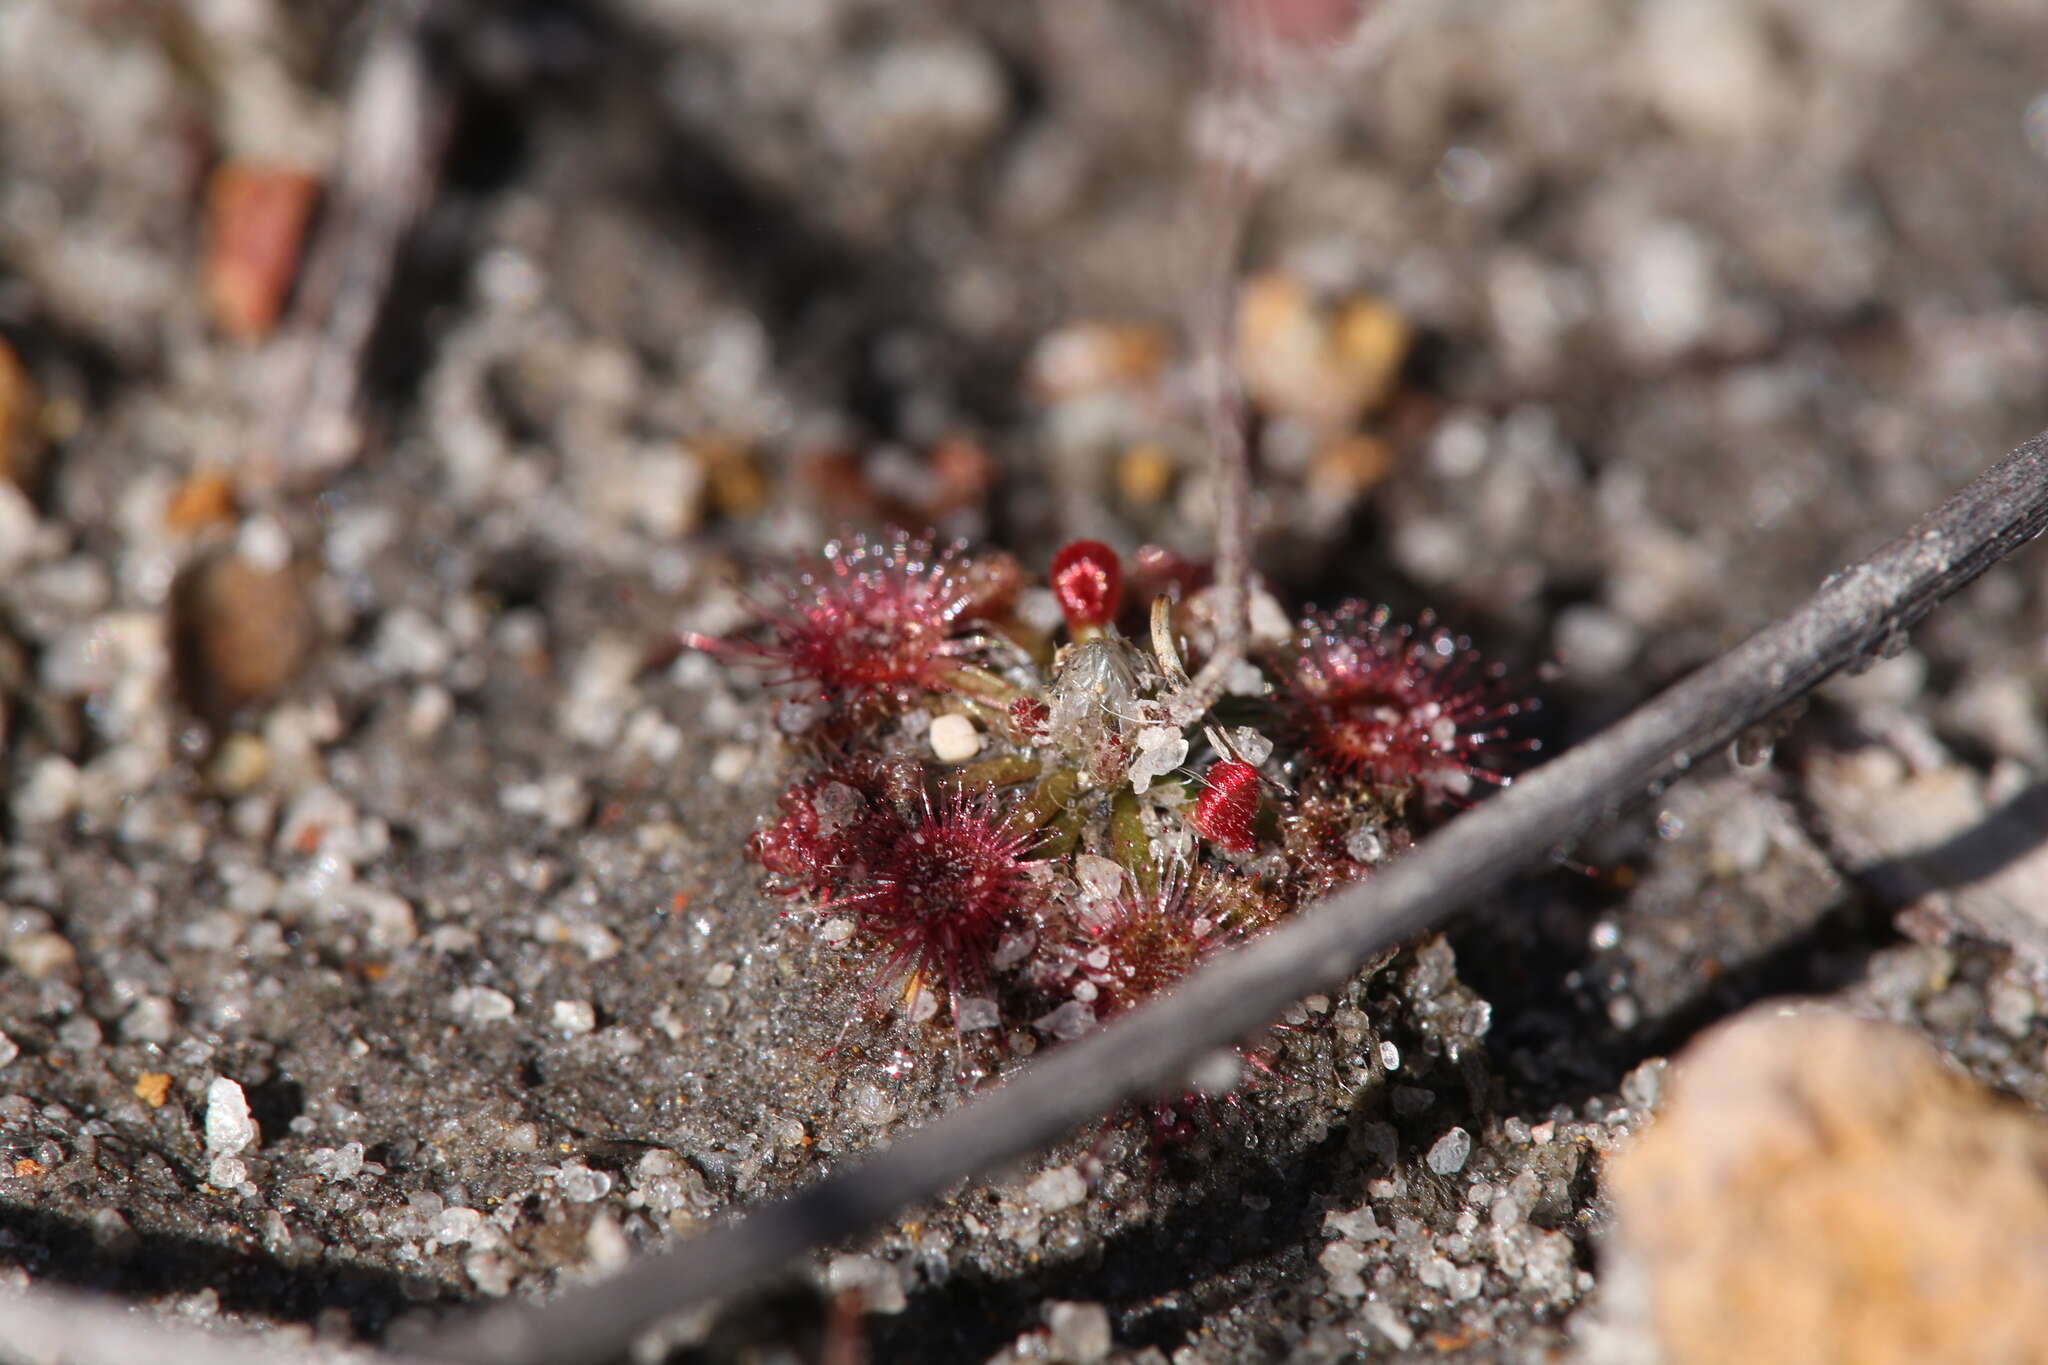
(1012, 803)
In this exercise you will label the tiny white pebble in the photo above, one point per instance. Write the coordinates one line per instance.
(150, 1021)
(228, 1126)
(457, 1225)
(1341, 1257)
(731, 762)
(846, 1273)
(972, 1013)
(1449, 1154)
(431, 706)
(581, 1185)
(480, 1004)
(1390, 1056)
(339, 1163)
(1079, 1332)
(574, 1017)
(1382, 1316)
(954, 739)
(1269, 621)
(265, 544)
(1062, 1187)
(871, 1106)
(721, 975)
(1161, 749)
(49, 794)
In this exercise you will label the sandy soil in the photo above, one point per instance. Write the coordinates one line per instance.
(358, 795)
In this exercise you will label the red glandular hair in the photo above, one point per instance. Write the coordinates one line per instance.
(1318, 832)
(1143, 942)
(828, 824)
(941, 890)
(872, 625)
(1409, 707)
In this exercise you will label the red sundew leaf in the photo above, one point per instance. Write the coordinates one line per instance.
(1408, 707)
(870, 626)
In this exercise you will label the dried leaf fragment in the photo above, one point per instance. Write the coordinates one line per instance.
(256, 218)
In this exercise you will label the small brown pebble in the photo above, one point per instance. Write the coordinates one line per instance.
(1819, 1187)
(738, 487)
(1369, 343)
(1459, 1340)
(153, 1088)
(205, 499)
(256, 217)
(239, 633)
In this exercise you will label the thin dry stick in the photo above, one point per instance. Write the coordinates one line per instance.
(1149, 1051)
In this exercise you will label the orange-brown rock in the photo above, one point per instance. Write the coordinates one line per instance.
(256, 218)
(205, 499)
(1144, 475)
(1820, 1188)
(1325, 366)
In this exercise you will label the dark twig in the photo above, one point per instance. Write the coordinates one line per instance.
(41, 1324)
(1150, 1050)
(397, 124)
